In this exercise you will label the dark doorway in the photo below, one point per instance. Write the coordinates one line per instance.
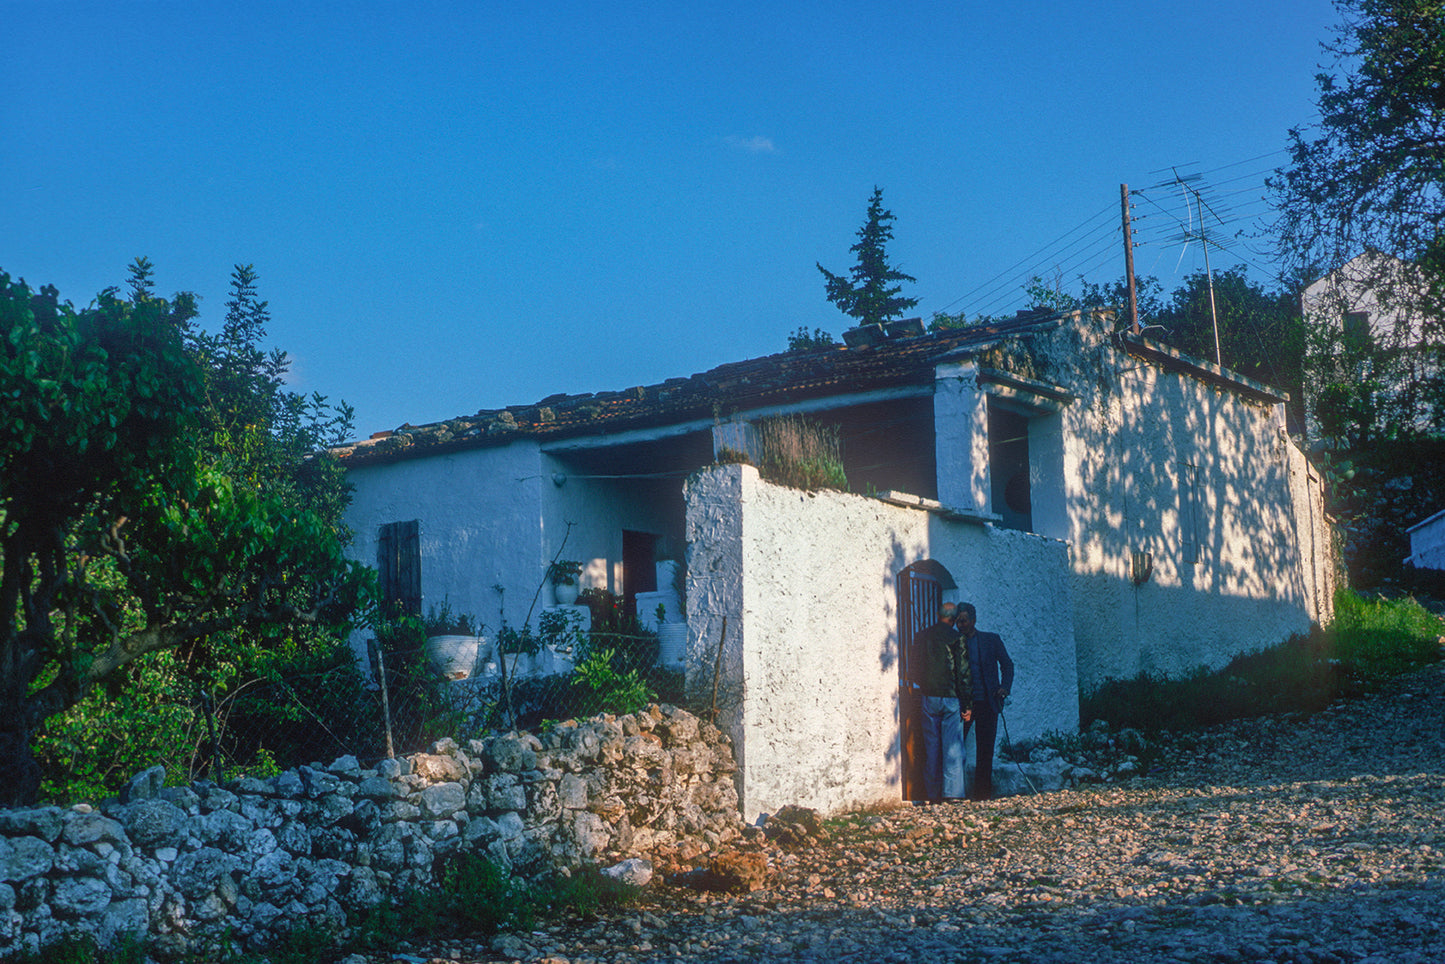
(639, 567)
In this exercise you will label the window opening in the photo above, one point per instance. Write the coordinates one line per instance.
(1008, 463)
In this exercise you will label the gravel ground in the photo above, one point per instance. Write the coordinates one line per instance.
(1289, 839)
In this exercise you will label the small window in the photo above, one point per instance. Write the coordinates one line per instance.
(398, 567)
(1008, 459)
(1357, 327)
(1191, 515)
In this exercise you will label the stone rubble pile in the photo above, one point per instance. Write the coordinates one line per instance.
(1291, 839)
(255, 857)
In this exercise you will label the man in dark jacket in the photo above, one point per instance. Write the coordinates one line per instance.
(992, 678)
(944, 681)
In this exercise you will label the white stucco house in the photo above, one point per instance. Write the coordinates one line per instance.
(1374, 302)
(1110, 506)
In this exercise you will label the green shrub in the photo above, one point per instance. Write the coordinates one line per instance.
(1368, 642)
(609, 690)
(83, 949)
(470, 895)
(588, 891)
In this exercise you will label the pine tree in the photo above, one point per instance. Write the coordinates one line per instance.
(871, 292)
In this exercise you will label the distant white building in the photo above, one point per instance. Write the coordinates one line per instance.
(1371, 301)
(1427, 543)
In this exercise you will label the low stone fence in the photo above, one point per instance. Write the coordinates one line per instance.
(182, 866)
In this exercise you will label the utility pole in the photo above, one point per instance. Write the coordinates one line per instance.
(1129, 260)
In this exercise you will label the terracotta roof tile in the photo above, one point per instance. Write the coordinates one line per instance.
(753, 383)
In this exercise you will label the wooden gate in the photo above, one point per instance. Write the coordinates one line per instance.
(920, 596)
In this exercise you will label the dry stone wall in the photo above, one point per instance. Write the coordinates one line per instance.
(182, 866)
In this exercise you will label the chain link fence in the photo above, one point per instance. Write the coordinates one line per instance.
(399, 702)
(407, 692)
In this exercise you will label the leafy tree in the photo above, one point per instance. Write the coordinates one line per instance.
(1371, 174)
(1260, 332)
(1364, 194)
(126, 532)
(871, 292)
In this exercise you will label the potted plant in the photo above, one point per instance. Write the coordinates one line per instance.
(453, 640)
(564, 574)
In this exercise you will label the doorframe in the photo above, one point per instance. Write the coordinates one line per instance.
(920, 586)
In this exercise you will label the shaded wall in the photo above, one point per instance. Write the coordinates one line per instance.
(1200, 481)
(480, 515)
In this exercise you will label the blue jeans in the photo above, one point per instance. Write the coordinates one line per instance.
(942, 748)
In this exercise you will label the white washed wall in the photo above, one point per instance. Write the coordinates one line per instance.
(496, 516)
(808, 687)
(1320, 570)
(480, 513)
(598, 510)
(1124, 439)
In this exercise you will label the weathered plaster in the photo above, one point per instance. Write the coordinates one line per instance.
(960, 420)
(496, 516)
(1133, 426)
(481, 521)
(809, 679)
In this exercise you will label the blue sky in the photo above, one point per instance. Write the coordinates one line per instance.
(457, 206)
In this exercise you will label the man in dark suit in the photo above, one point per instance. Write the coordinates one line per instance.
(993, 679)
(942, 676)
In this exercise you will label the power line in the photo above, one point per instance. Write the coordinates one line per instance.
(1009, 270)
(1236, 203)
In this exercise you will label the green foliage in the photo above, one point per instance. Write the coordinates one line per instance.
(605, 689)
(145, 716)
(83, 949)
(589, 891)
(473, 895)
(616, 629)
(158, 496)
(564, 572)
(943, 321)
(1365, 191)
(303, 944)
(1368, 642)
(1379, 638)
(1370, 175)
(421, 712)
(799, 452)
(802, 340)
(442, 621)
(1261, 333)
(1048, 294)
(871, 292)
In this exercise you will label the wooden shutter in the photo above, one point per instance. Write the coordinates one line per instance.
(398, 565)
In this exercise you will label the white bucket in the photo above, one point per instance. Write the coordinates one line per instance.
(672, 645)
